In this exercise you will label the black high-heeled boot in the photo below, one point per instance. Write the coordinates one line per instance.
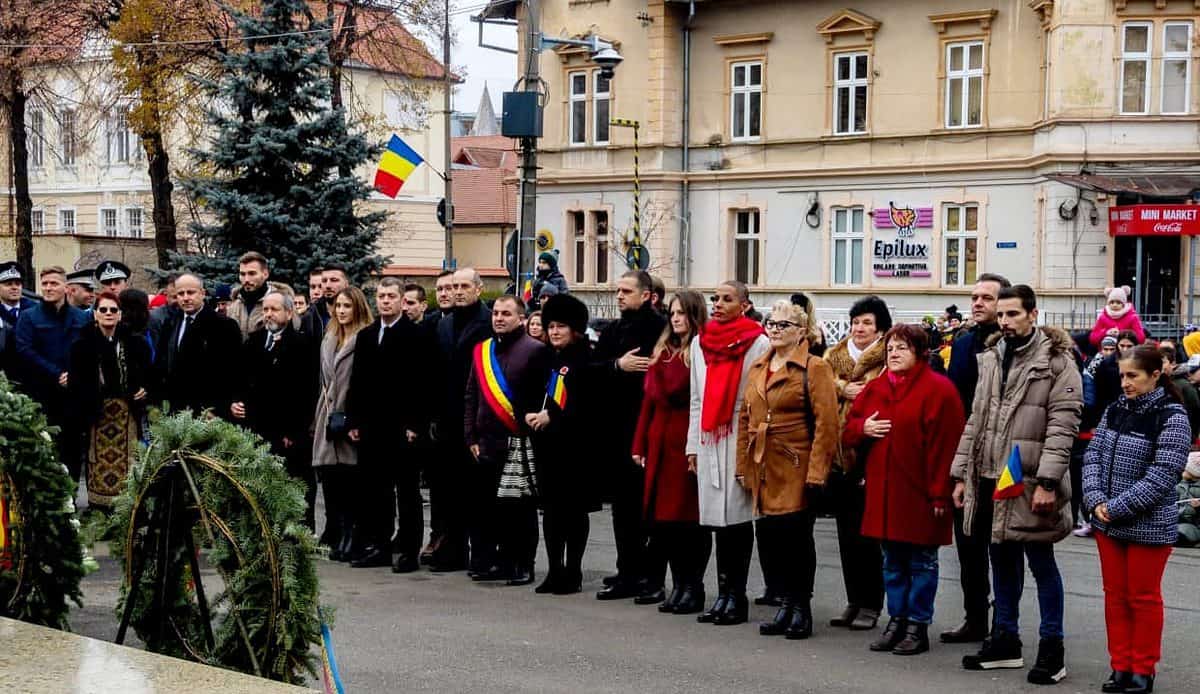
(802, 622)
(718, 605)
(778, 625)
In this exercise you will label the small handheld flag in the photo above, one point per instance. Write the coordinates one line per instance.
(1012, 482)
(527, 292)
(397, 163)
(556, 389)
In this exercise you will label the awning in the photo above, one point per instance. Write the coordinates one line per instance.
(1149, 185)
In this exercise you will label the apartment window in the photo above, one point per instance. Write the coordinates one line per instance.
(579, 242)
(848, 238)
(960, 244)
(66, 221)
(850, 94)
(601, 101)
(133, 222)
(35, 128)
(1135, 67)
(38, 218)
(746, 240)
(121, 141)
(68, 134)
(578, 98)
(745, 105)
(964, 84)
(601, 222)
(1176, 67)
(108, 221)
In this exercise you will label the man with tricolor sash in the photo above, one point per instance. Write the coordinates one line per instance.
(1011, 476)
(507, 381)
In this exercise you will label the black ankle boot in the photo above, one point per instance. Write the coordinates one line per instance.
(778, 625)
(692, 600)
(1140, 684)
(668, 605)
(718, 606)
(916, 640)
(1117, 681)
(892, 634)
(802, 622)
(737, 611)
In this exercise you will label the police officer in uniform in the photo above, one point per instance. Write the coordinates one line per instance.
(12, 303)
(81, 288)
(113, 276)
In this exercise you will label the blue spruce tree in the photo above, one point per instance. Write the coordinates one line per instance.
(279, 173)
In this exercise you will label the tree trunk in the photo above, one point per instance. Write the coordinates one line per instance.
(161, 188)
(341, 42)
(15, 101)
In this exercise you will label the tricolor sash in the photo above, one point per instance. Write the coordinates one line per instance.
(556, 389)
(492, 384)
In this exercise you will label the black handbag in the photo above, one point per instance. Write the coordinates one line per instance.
(338, 426)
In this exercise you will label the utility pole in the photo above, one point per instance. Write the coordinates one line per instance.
(448, 263)
(526, 231)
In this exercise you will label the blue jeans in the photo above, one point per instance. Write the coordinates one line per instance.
(1008, 580)
(910, 579)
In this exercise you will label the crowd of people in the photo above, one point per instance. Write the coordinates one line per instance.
(707, 427)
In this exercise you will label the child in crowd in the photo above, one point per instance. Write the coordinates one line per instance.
(1188, 491)
(1118, 315)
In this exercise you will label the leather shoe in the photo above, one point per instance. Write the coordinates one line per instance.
(492, 573)
(915, 641)
(737, 611)
(521, 577)
(802, 623)
(405, 564)
(1140, 684)
(650, 596)
(1117, 681)
(848, 615)
(711, 613)
(619, 591)
(779, 624)
(865, 620)
(373, 557)
(691, 602)
(892, 634)
(967, 632)
(668, 605)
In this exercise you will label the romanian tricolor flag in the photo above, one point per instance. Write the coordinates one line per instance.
(527, 292)
(492, 384)
(398, 161)
(556, 389)
(330, 677)
(1012, 482)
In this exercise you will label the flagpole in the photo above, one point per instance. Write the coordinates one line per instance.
(448, 262)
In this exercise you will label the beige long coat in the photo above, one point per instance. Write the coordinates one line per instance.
(336, 365)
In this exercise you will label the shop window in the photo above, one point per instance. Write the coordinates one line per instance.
(850, 93)
(964, 84)
(960, 244)
(746, 246)
(848, 239)
(1135, 67)
(745, 101)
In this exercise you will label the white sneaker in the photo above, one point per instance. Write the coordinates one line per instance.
(1082, 530)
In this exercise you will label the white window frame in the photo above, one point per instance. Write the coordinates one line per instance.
(575, 139)
(102, 227)
(37, 219)
(134, 231)
(849, 236)
(852, 84)
(753, 237)
(68, 136)
(965, 75)
(35, 138)
(597, 97)
(63, 228)
(740, 95)
(1175, 56)
(119, 133)
(961, 235)
(1136, 57)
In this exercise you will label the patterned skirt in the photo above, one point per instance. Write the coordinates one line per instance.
(112, 444)
(518, 478)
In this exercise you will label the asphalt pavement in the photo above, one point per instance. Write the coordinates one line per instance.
(444, 633)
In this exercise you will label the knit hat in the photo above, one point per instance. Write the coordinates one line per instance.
(1108, 341)
(566, 309)
(1193, 464)
(550, 258)
(223, 292)
(546, 290)
(1118, 294)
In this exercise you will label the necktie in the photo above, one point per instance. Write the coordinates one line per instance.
(270, 340)
(183, 327)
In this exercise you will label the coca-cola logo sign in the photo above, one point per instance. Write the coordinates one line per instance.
(1169, 228)
(1154, 220)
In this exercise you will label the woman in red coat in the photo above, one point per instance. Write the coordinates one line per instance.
(906, 426)
(670, 497)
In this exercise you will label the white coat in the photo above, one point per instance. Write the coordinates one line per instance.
(723, 502)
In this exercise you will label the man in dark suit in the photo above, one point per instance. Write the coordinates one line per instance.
(196, 354)
(277, 392)
(392, 360)
(12, 304)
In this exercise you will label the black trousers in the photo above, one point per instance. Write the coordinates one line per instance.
(629, 528)
(735, 546)
(973, 554)
(456, 467)
(787, 541)
(518, 538)
(298, 462)
(338, 486)
(862, 559)
(391, 492)
(433, 470)
(483, 530)
(566, 532)
(687, 547)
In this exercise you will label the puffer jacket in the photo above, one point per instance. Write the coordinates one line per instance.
(1039, 413)
(1133, 463)
(869, 366)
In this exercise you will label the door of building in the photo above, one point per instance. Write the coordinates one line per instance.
(1156, 286)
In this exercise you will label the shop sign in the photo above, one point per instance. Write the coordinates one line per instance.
(903, 219)
(901, 258)
(1154, 220)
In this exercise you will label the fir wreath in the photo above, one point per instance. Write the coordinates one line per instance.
(247, 515)
(42, 559)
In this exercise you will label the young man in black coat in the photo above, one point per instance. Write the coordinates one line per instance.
(623, 353)
(468, 323)
(277, 392)
(387, 412)
(197, 353)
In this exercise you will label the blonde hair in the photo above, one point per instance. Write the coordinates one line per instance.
(797, 315)
(669, 343)
(361, 318)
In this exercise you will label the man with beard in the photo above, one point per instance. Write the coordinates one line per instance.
(277, 392)
(468, 323)
(623, 353)
(81, 289)
(385, 415)
(507, 381)
(245, 305)
(194, 351)
(12, 304)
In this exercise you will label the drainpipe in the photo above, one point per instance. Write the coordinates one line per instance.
(685, 222)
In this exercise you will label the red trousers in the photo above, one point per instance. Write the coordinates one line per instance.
(1133, 604)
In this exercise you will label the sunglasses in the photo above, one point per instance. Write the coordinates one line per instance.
(107, 309)
(779, 324)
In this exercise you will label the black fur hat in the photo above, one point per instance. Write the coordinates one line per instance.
(564, 308)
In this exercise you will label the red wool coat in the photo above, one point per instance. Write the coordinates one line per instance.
(908, 471)
(670, 494)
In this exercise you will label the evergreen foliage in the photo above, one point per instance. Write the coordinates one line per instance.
(261, 549)
(280, 170)
(46, 554)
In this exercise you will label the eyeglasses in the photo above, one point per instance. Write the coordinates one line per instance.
(779, 324)
(107, 309)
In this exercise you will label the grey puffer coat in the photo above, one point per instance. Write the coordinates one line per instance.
(1038, 413)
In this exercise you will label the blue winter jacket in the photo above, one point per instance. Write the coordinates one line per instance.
(1134, 461)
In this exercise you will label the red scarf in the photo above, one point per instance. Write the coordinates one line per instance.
(724, 346)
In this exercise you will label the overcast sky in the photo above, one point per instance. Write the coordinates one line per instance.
(482, 65)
